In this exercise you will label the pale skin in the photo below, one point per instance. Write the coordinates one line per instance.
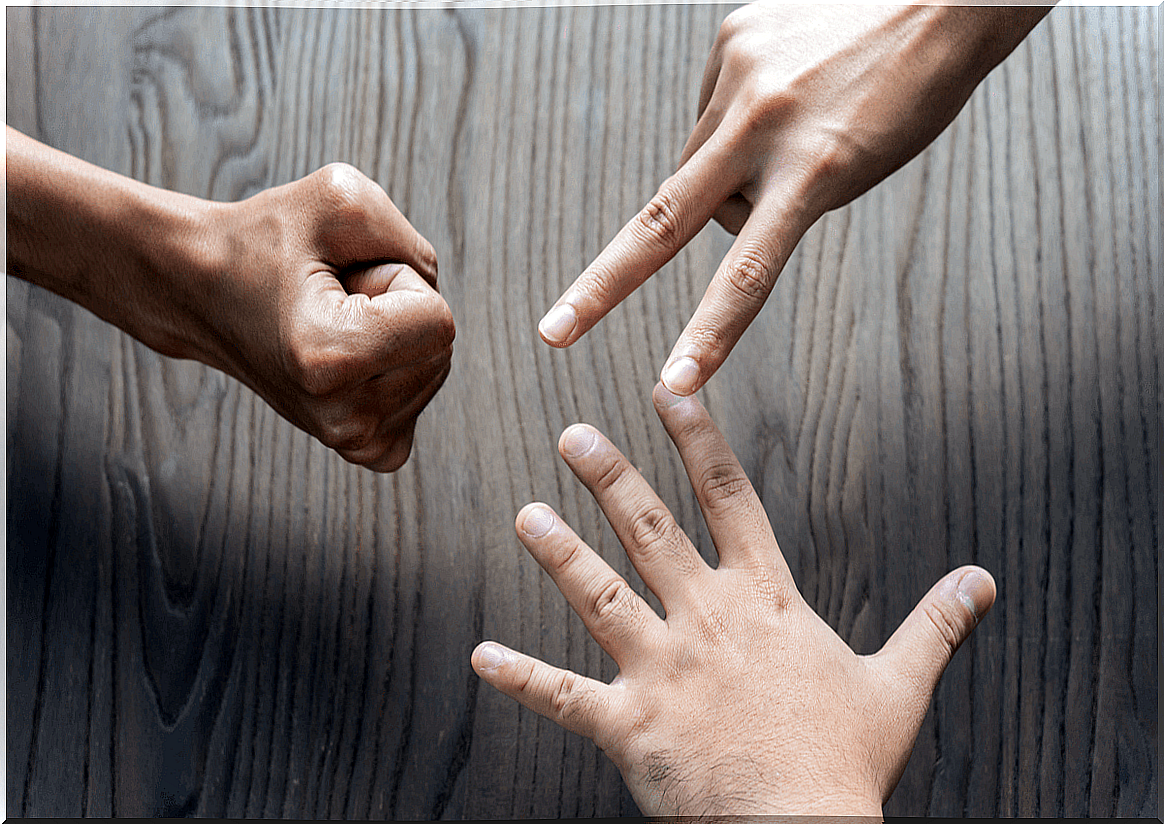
(318, 294)
(741, 700)
(801, 110)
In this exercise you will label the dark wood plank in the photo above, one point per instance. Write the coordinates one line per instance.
(210, 613)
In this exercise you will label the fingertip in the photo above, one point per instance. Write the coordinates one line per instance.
(976, 590)
(489, 656)
(558, 325)
(534, 520)
(681, 375)
(665, 399)
(577, 440)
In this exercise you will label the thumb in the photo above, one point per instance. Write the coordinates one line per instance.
(927, 639)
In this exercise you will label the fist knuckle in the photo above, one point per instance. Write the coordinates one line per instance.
(662, 220)
(320, 371)
(395, 456)
(737, 21)
(311, 369)
(349, 435)
(751, 276)
(344, 190)
(443, 326)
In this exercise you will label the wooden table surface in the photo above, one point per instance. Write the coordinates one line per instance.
(210, 613)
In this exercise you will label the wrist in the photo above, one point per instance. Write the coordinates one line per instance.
(975, 39)
(126, 251)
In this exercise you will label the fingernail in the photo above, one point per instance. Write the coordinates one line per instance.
(975, 592)
(537, 522)
(558, 323)
(680, 375)
(577, 440)
(491, 656)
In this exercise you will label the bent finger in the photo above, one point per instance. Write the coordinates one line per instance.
(733, 213)
(579, 704)
(619, 620)
(388, 454)
(356, 223)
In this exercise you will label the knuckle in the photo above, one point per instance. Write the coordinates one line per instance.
(766, 107)
(722, 485)
(349, 436)
(569, 699)
(662, 220)
(772, 591)
(311, 370)
(563, 560)
(653, 528)
(832, 158)
(320, 371)
(611, 600)
(947, 624)
(599, 283)
(737, 21)
(750, 275)
(344, 189)
(443, 326)
(610, 471)
(712, 622)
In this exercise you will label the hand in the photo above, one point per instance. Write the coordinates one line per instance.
(742, 700)
(308, 312)
(801, 110)
(318, 295)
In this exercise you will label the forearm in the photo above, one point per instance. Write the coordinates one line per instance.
(126, 251)
(983, 36)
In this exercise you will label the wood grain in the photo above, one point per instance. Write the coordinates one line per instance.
(209, 613)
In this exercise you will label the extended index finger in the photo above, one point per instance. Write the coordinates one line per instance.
(681, 207)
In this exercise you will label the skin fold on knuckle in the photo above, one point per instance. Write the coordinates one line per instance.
(611, 602)
(750, 276)
(653, 533)
(661, 220)
(608, 470)
(722, 486)
(949, 623)
(570, 699)
(597, 288)
(560, 556)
